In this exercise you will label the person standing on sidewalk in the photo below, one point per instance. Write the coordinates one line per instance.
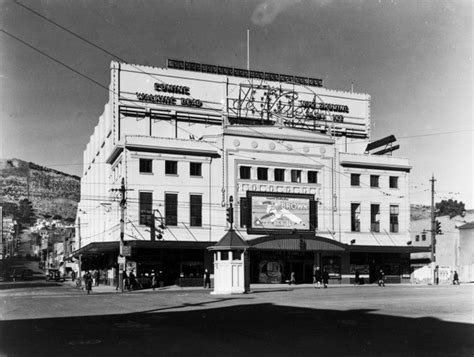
(207, 279)
(381, 278)
(97, 277)
(154, 281)
(325, 278)
(88, 282)
(318, 277)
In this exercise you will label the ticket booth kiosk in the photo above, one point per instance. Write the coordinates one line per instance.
(231, 265)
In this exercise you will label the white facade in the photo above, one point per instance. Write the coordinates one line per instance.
(168, 115)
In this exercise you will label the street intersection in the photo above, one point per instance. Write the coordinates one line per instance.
(52, 319)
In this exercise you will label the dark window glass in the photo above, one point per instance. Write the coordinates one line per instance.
(393, 181)
(312, 176)
(295, 175)
(355, 179)
(171, 167)
(279, 174)
(145, 206)
(195, 169)
(355, 217)
(417, 238)
(196, 210)
(393, 219)
(375, 218)
(146, 165)
(224, 255)
(236, 255)
(245, 172)
(171, 209)
(262, 173)
(243, 212)
(374, 181)
(423, 237)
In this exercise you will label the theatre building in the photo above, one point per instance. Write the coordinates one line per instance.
(295, 160)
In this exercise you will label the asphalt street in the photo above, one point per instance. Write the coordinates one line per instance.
(39, 319)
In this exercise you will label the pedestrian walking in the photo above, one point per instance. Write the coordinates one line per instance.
(292, 278)
(132, 282)
(456, 278)
(381, 279)
(325, 278)
(318, 277)
(88, 282)
(73, 275)
(154, 280)
(207, 279)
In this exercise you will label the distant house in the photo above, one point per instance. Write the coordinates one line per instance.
(465, 265)
(450, 249)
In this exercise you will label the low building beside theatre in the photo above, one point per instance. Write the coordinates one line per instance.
(307, 188)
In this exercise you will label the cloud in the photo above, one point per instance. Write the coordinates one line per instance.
(267, 11)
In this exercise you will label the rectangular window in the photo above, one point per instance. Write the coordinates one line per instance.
(355, 179)
(417, 238)
(393, 182)
(171, 167)
(243, 212)
(146, 166)
(279, 174)
(374, 181)
(196, 210)
(312, 176)
(171, 209)
(375, 218)
(145, 206)
(244, 172)
(195, 169)
(394, 218)
(355, 217)
(295, 175)
(262, 173)
(423, 237)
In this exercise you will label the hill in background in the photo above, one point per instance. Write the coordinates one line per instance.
(52, 192)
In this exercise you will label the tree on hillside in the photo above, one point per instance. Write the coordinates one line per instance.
(25, 215)
(449, 208)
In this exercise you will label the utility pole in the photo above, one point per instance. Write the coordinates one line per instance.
(433, 229)
(123, 203)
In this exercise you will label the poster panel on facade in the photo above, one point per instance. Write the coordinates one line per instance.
(280, 213)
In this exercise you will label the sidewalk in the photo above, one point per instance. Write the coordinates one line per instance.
(253, 287)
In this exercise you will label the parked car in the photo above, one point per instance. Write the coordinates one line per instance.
(53, 274)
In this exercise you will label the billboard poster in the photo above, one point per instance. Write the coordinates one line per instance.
(280, 212)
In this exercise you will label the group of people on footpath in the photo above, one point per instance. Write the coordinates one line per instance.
(320, 278)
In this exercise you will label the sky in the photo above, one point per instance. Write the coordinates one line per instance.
(413, 57)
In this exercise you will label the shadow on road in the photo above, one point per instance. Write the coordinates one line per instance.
(243, 330)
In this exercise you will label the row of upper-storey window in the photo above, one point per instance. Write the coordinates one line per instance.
(145, 209)
(374, 217)
(171, 167)
(374, 181)
(245, 173)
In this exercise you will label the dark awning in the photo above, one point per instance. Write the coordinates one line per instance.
(293, 242)
(98, 248)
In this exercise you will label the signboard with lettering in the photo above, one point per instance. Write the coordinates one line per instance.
(280, 213)
(196, 94)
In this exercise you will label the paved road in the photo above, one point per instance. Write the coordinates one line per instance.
(351, 321)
